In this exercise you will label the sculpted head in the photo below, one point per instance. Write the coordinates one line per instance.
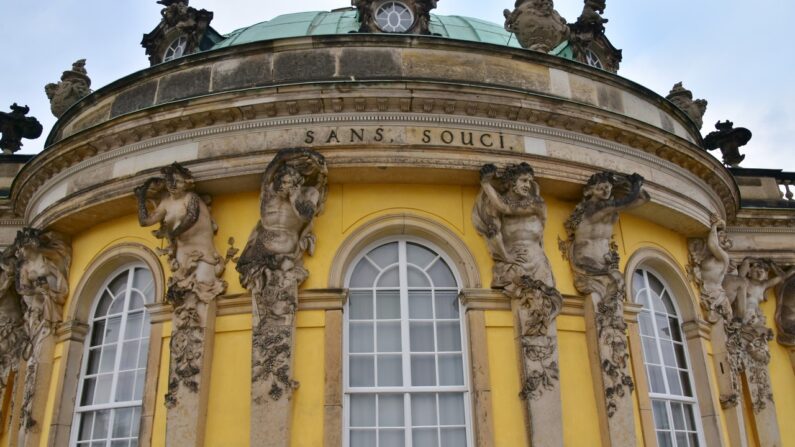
(28, 241)
(522, 180)
(178, 179)
(543, 7)
(758, 271)
(287, 178)
(599, 186)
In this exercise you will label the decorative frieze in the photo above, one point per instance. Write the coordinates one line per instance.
(510, 215)
(293, 192)
(195, 283)
(594, 259)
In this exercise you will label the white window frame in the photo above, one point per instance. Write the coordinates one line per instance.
(394, 2)
(80, 410)
(181, 44)
(406, 390)
(669, 398)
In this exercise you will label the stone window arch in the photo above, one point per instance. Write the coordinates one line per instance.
(75, 329)
(405, 356)
(658, 283)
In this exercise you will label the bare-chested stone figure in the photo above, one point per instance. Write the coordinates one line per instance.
(196, 267)
(510, 214)
(709, 263)
(747, 289)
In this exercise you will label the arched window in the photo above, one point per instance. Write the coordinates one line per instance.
(674, 405)
(176, 49)
(108, 411)
(405, 379)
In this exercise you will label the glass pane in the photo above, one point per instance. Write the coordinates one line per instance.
(638, 282)
(679, 417)
(362, 410)
(103, 305)
(390, 410)
(361, 337)
(441, 275)
(362, 438)
(125, 386)
(93, 361)
(448, 335)
(451, 370)
(118, 305)
(423, 370)
(101, 419)
(142, 281)
(122, 423)
(136, 422)
(685, 378)
(421, 337)
(108, 361)
(140, 380)
(681, 440)
(361, 305)
(417, 278)
(664, 439)
(454, 437)
(694, 440)
(447, 304)
(650, 352)
(113, 329)
(424, 437)
(384, 255)
(390, 370)
(656, 379)
(676, 333)
(419, 255)
(451, 409)
(129, 355)
(390, 278)
(119, 285)
(136, 301)
(669, 305)
(391, 438)
(662, 327)
(674, 387)
(362, 371)
(660, 412)
(88, 392)
(143, 352)
(655, 284)
(387, 304)
(423, 409)
(124, 443)
(364, 274)
(86, 422)
(644, 321)
(97, 333)
(690, 423)
(680, 356)
(389, 337)
(669, 358)
(420, 305)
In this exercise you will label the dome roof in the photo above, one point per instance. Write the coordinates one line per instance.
(315, 23)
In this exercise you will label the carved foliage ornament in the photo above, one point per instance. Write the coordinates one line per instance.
(196, 267)
(42, 268)
(594, 259)
(15, 126)
(74, 86)
(510, 214)
(293, 193)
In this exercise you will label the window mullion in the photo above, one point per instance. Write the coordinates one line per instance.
(120, 340)
(656, 331)
(404, 338)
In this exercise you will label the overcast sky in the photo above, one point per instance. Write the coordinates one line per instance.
(729, 52)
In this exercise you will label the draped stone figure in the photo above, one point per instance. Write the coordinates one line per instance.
(293, 192)
(196, 269)
(709, 263)
(594, 259)
(43, 259)
(510, 215)
(14, 340)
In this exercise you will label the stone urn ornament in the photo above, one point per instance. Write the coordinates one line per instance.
(74, 85)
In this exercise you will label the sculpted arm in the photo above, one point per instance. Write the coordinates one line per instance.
(144, 218)
(713, 245)
(780, 276)
(305, 203)
(487, 172)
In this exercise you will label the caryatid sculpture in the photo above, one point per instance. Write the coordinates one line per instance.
(594, 259)
(293, 193)
(43, 259)
(13, 337)
(709, 263)
(510, 214)
(196, 269)
(537, 25)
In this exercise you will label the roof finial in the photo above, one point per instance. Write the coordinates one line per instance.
(15, 126)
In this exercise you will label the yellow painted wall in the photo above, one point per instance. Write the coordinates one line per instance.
(782, 377)
(348, 208)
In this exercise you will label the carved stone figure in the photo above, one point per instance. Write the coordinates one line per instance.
(14, 340)
(589, 44)
(728, 139)
(196, 267)
(785, 313)
(746, 289)
(293, 193)
(537, 24)
(594, 259)
(683, 98)
(43, 259)
(510, 214)
(178, 20)
(709, 263)
(74, 85)
(15, 126)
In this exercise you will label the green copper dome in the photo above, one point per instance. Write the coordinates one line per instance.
(316, 23)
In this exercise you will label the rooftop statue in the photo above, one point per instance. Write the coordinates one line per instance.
(15, 126)
(196, 267)
(728, 139)
(683, 98)
(537, 25)
(74, 86)
(709, 263)
(178, 21)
